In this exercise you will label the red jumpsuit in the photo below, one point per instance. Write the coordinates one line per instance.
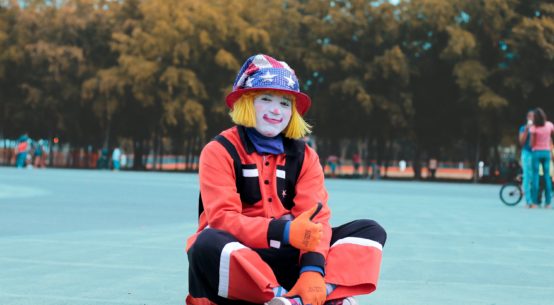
(238, 251)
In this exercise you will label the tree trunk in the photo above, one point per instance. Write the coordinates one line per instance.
(476, 162)
(496, 162)
(380, 156)
(138, 148)
(190, 152)
(344, 144)
(186, 144)
(51, 149)
(160, 153)
(386, 158)
(197, 151)
(107, 132)
(366, 155)
(416, 163)
(155, 150)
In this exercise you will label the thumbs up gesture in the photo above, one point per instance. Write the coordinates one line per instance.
(305, 234)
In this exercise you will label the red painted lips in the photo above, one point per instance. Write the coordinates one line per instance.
(272, 121)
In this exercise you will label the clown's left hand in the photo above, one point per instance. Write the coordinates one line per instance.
(310, 286)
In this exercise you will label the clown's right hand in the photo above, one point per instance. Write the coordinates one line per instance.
(304, 234)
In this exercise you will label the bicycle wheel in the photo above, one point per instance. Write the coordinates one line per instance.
(511, 193)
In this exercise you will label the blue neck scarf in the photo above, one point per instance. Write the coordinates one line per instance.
(265, 145)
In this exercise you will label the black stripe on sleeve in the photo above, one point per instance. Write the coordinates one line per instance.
(275, 233)
(313, 259)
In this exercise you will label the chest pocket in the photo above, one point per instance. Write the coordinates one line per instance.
(248, 186)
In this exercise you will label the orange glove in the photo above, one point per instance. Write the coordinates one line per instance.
(305, 234)
(310, 286)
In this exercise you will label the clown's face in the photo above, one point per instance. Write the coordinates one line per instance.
(273, 112)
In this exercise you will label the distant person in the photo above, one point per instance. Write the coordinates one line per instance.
(333, 161)
(433, 165)
(116, 158)
(356, 160)
(21, 151)
(39, 155)
(541, 144)
(513, 170)
(402, 165)
(375, 170)
(527, 158)
(123, 160)
(93, 157)
(103, 161)
(264, 234)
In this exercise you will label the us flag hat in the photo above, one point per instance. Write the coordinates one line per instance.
(262, 72)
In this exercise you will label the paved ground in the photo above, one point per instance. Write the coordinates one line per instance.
(98, 237)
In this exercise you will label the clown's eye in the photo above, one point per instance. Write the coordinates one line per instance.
(266, 99)
(285, 103)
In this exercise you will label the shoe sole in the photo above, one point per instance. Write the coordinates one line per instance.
(279, 301)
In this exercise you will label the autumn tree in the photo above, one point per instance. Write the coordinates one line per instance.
(446, 79)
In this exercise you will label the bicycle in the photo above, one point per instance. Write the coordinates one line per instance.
(511, 192)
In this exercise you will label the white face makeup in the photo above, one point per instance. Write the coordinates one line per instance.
(273, 112)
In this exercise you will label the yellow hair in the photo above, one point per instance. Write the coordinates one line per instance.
(243, 113)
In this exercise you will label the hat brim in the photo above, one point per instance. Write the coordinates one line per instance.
(303, 102)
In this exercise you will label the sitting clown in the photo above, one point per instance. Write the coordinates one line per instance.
(264, 233)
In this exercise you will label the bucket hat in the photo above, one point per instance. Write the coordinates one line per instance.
(262, 72)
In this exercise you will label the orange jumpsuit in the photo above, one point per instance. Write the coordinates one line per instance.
(238, 251)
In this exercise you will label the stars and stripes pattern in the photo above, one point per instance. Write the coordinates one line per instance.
(262, 71)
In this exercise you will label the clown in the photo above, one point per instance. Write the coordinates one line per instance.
(264, 233)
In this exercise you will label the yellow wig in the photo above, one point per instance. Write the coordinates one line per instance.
(243, 113)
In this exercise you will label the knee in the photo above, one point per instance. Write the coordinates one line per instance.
(373, 230)
(210, 241)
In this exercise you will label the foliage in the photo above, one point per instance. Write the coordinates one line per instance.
(430, 73)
